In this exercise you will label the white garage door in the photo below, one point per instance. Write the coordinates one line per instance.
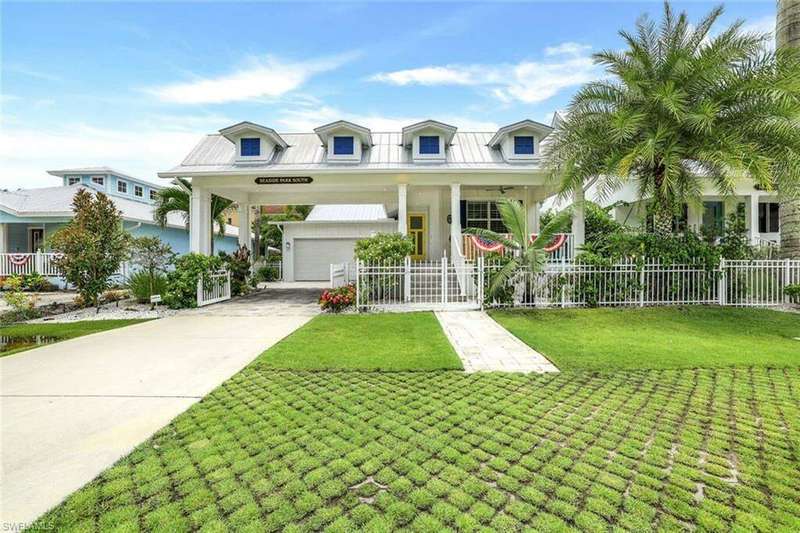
(313, 257)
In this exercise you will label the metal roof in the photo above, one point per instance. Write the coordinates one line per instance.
(99, 170)
(347, 213)
(468, 151)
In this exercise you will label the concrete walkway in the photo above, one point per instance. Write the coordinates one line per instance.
(484, 345)
(70, 410)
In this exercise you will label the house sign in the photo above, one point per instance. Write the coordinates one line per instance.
(290, 180)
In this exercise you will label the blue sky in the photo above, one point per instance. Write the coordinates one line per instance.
(134, 85)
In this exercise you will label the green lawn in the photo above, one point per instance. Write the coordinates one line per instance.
(62, 331)
(657, 450)
(389, 341)
(658, 338)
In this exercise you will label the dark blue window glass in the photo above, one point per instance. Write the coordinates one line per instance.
(523, 145)
(251, 146)
(343, 146)
(428, 144)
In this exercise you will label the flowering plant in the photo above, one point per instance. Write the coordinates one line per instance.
(336, 300)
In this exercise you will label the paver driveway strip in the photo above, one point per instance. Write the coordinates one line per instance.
(71, 409)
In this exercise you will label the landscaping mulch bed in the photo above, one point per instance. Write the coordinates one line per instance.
(666, 450)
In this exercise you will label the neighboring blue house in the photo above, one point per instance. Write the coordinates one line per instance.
(28, 217)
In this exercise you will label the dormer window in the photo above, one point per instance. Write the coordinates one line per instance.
(72, 180)
(523, 145)
(122, 187)
(429, 144)
(99, 180)
(343, 146)
(138, 191)
(251, 147)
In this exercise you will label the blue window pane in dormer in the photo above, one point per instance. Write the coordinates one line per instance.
(251, 147)
(523, 145)
(343, 146)
(428, 144)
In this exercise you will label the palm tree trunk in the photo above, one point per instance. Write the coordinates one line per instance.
(787, 34)
(662, 207)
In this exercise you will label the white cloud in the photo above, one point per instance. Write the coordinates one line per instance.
(762, 25)
(527, 81)
(267, 77)
(306, 119)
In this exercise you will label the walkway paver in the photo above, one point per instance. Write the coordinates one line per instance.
(71, 409)
(484, 345)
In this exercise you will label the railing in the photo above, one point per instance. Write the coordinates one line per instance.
(435, 285)
(28, 263)
(277, 266)
(770, 248)
(563, 253)
(214, 288)
(341, 274)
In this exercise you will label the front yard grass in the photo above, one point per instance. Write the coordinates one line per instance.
(658, 337)
(657, 450)
(390, 341)
(60, 331)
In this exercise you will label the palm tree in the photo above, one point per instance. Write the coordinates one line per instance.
(682, 106)
(177, 199)
(787, 35)
(526, 255)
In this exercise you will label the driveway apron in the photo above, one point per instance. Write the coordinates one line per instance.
(71, 409)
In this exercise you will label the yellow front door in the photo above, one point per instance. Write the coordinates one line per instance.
(418, 231)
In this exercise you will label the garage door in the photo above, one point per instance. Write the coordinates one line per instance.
(313, 257)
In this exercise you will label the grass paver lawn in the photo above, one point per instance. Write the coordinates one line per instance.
(61, 331)
(659, 337)
(667, 450)
(390, 341)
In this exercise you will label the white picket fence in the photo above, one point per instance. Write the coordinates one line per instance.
(436, 285)
(214, 288)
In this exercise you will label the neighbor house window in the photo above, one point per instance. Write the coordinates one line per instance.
(523, 145)
(72, 180)
(98, 180)
(768, 218)
(428, 144)
(251, 147)
(343, 146)
(484, 215)
(714, 217)
(153, 194)
(122, 186)
(138, 190)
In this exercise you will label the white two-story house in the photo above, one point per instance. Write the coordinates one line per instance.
(431, 180)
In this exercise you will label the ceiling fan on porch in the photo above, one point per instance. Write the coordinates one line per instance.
(502, 189)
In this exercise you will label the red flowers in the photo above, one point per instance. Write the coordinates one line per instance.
(336, 300)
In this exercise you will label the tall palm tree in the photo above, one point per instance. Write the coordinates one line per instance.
(787, 35)
(682, 106)
(176, 199)
(525, 255)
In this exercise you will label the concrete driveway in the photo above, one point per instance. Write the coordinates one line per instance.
(71, 409)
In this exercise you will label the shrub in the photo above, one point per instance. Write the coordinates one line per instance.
(153, 257)
(142, 286)
(238, 263)
(266, 273)
(23, 306)
(115, 295)
(793, 292)
(339, 299)
(92, 245)
(181, 289)
(384, 247)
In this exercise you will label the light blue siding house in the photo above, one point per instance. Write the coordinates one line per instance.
(28, 217)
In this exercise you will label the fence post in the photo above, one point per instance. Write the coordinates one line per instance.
(786, 280)
(407, 279)
(358, 287)
(444, 279)
(37, 263)
(641, 284)
(481, 275)
(722, 285)
(199, 290)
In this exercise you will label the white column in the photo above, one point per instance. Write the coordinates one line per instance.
(200, 221)
(402, 208)
(455, 220)
(3, 238)
(244, 226)
(532, 205)
(753, 219)
(578, 218)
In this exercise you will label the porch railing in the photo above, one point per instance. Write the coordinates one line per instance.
(28, 263)
(563, 253)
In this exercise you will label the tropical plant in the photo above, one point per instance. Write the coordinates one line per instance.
(143, 285)
(238, 263)
(384, 247)
(23, 306)
(339, 299)
(176, 199)
(153, 257)
(793, 292)
(682, 107)
(92, 245)
(181, 290)
(270, 234)
(526, 254)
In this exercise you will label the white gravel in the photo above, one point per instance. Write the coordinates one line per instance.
(127, 309)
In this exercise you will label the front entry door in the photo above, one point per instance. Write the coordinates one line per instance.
(418, 231)
(36, 240)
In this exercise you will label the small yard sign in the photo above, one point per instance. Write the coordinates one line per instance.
(155, 298)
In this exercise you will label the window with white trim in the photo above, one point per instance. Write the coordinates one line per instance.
(523, 145)
(122, 186)
(428, 144)
(153, 194)
(484, 214)
(344, 145)
(99, 180)
(138, 191)
(769, 217)
(72, 180)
